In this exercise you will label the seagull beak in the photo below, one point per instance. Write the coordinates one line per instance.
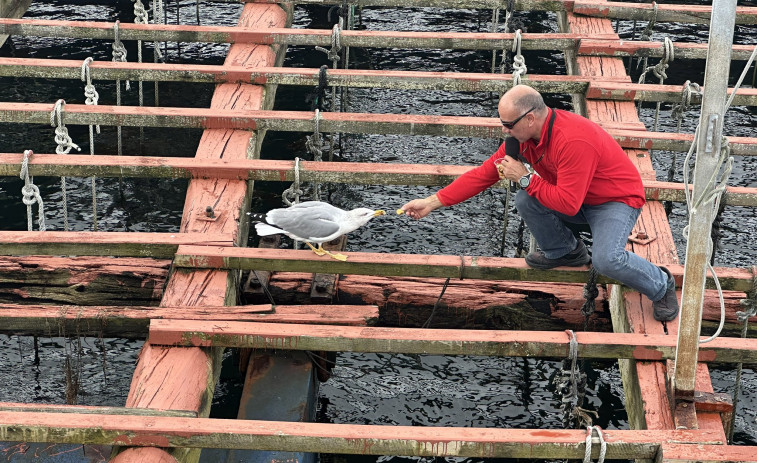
(378, 213)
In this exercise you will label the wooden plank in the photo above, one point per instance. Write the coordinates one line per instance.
(283, 171)
(701, 453)
(460, 81)
(285, 36)
(543, 344)
(134, 321)
(681, 50)
(90, 410)
(337, 438)
(440, 266)
(124, 244)
(658, 93)
(692, 14)
(302, 121)
(12, 9)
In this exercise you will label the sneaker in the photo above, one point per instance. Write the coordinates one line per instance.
(666, 309)
(577, 258)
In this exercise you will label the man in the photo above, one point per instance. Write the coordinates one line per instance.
(582, 176)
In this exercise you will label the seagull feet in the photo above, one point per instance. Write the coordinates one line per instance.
(322, 252)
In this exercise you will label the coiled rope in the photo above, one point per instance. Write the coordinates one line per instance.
(590, 430)
(678, 111)
(65, 144)
(660, 71)
(119, 55)
(713, 190)
(519, 62)
(92, 98)
(140, 17)
(291, 195)
(31, 195)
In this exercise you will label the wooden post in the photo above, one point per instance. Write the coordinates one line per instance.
(701, 217)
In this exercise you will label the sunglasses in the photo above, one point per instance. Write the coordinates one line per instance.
(510, 125)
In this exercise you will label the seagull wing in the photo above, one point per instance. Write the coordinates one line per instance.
(309, 221)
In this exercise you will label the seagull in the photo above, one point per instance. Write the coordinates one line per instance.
(313, 222)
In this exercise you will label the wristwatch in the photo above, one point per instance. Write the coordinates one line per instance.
(525, 180)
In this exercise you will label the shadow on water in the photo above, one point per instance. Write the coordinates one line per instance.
(370, 388)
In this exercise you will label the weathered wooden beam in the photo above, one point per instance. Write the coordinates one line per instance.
(460, 81)
(684, 50)
(134, 321)
(441, 266)
(520, 5)
(82, 280)
(500, 343)
(627, 135)
(692, 14)
(654, 93)
(12, 9)
(55, 165)
(285, 36)
(120, 244)
(336, 438)
(702, 453)
(90, 410)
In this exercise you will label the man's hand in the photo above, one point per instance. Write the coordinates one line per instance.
(510, 169)
(419, 208)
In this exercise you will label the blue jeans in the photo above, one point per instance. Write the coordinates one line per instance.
(610, 225)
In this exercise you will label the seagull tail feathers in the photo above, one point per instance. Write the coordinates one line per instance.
(263, 229)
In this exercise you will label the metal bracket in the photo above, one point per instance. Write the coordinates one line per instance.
(712, 121)
(640, 237)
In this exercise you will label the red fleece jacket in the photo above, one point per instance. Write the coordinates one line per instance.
(580, 164)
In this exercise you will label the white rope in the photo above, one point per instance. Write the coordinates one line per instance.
(589, 440)
(519, 62)
(292, 194)
(65, 144)
(31, 195)
(92, 98)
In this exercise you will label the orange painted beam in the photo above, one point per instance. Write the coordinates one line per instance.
(665, 12)
(545, 344)
(623, 48)
(420, 265)
(337, 438)
(133, 321)
(285, 36)
(110, 70)
(681, 453)
(627, 134)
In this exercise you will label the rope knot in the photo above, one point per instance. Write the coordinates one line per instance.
(336, 47)
(65, 144)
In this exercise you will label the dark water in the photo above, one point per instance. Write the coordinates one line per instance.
(364, 389)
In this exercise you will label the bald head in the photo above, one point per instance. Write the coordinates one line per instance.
(522, 98)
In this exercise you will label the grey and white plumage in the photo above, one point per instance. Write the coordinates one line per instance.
(312, 222)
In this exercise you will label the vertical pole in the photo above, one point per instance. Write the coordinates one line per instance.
(700, 222)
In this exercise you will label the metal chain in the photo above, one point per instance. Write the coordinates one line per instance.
(140, 17)
(519, 62)
(92, 98)
(31, 195)
(590, 295)
(314, 144)
(119, 55)
(65, 144)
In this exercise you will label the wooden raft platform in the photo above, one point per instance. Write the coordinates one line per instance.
(181, 291)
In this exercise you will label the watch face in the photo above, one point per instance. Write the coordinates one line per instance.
(525, 181)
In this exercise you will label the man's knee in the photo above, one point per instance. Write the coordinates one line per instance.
(609, 264)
